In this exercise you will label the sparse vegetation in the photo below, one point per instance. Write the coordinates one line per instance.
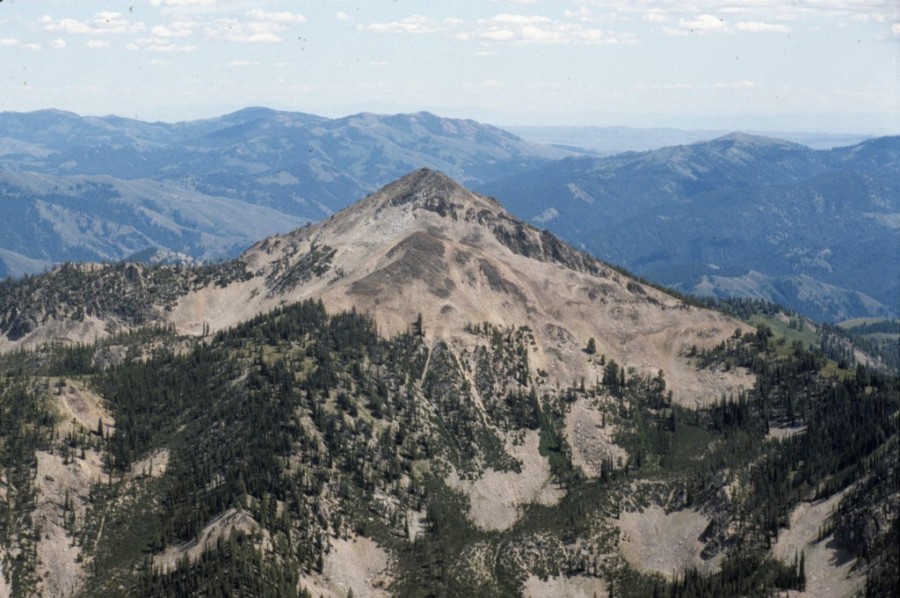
(124, 293)
(350, 416)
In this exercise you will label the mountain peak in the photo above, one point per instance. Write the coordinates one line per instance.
(421, 184)
(425, 245)
(434, 191)
(427, 177)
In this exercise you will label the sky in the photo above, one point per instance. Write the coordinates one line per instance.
(799, 65)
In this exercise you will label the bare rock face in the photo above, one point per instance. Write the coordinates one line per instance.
(424, 245)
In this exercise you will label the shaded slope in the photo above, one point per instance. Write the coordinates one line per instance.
(726, 207)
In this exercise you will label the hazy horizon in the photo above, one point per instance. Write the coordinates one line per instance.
(746, 65)
(538, 132)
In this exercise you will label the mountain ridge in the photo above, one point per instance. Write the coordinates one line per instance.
(302, 166)
(681, 215)
(689, 213)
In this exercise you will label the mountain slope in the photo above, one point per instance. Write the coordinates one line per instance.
(93, 219)
(821, 225)
(717, 210)
(425, 245)
(494, 413)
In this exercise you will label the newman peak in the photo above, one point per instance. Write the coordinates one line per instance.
(431, 190)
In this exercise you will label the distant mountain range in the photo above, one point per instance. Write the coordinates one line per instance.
(816, 230)
(813, 229)
(607, 141)
(92, 189)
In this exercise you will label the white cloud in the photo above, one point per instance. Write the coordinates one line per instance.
(819, 7)
(12, 42)
(232, 30)
(417, 24)
(96, 44)
(164, 37)
(895, 29)
(512, 28)
(756, 16)
(157, 44)
(498, 34)
(342, 16)
(760, 27)
(534, 29)
(174, 29)
(243, 63)
(704, 23)
(845, 5)
(103, 23)
(182, 2)
(252, 26)
(58, 44)
(519, 19)
(531, 33)
(733, 10)
(276, 17)
(583, 13)
(257, 37)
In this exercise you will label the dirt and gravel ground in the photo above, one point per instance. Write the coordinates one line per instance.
(655, 541)
(565, 587)
(497, 498)
(591, 441)
(828, 571)
(357, 564)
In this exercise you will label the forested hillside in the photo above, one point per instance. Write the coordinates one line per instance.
(300, 431)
